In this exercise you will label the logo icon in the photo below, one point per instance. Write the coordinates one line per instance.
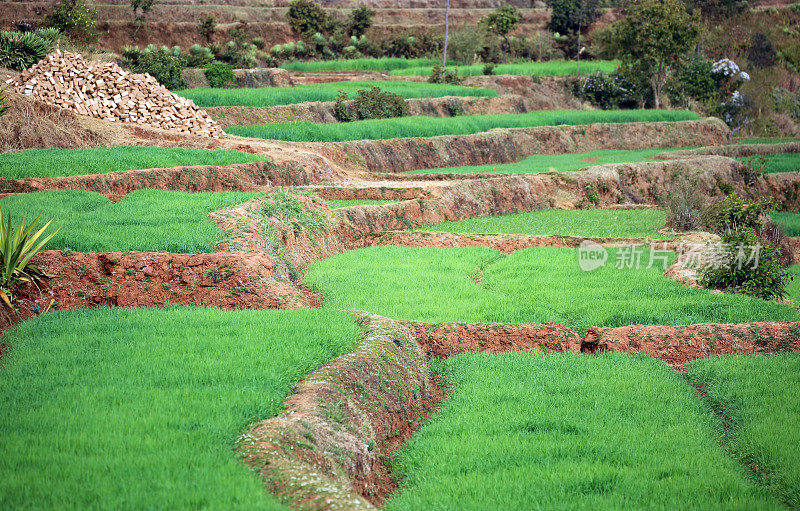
(591, 255)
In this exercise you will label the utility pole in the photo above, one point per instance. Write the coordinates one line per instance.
(580, 27)
(446, 32)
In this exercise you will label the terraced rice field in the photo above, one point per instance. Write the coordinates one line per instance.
(790, 222)
(144, 220)
(775, 163)
(539, 163)
(527, 431)
(549, 68)
(363, 64)
(602, 223)
(273, 96)
(535, 285)
(757, 402)
(140, 408)
(72, 162)
(111, 407)
(422, 126)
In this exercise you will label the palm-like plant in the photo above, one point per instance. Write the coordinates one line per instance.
(17, 247)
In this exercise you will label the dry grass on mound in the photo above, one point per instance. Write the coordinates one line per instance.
(29, 124)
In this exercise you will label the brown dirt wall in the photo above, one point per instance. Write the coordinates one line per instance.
(323, 112)
(512, 145)
(197, 178)
(228, 280)
(678, 345)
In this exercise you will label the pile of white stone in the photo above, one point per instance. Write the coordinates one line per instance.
(106, 91)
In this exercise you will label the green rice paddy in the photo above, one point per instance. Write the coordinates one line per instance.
(531, 431)
(71, 162)
(548, 68)
(115, 408)
(758, 397)
(144, 220)
(602, 223)
(536, 285)
(272, 96)
(421, 126)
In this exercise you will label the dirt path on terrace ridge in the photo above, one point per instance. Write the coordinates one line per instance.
(331, 447)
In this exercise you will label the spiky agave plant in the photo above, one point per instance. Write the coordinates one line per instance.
(17, 246)
(21, 50)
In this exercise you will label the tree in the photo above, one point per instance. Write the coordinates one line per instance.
(502, 21)
(360, 20)
(654, 35)
(572, 16)
(141, 8)
(717, 8)
(73, 18)
(446, 35)
(761, 53)
(208, 27)
(307, 17)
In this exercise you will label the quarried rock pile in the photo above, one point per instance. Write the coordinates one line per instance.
(106, 91)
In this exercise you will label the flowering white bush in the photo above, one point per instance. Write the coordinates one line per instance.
(729, 69)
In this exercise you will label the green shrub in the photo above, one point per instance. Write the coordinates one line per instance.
(441, 74)
(163, 65)
(685, 207)
(75, 19)
(764, 278)
(697, 80)
(751, 260)
(21, 50)
(199, 56)
(307, 17)
(219, 74)
(18, 244)
(373, 103)
(208, 27)
(239, 53)
(360, 20)
(488, 69)
(606, 91)
(761, 52)
(734, 213)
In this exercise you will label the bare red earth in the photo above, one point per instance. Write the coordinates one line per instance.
(446, 339)
(229, 280)
(677, 345)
